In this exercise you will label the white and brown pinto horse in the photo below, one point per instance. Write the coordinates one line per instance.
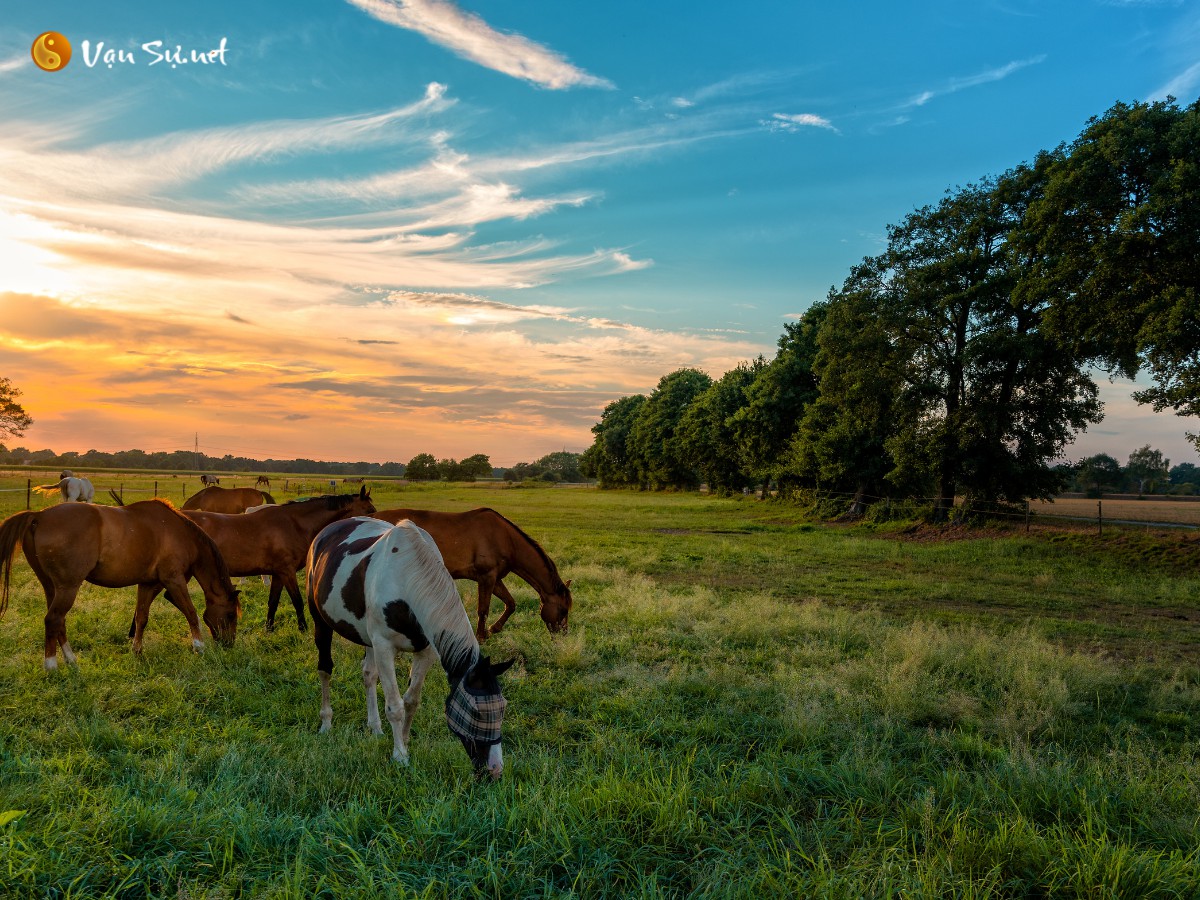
(74, 490)
(384, 587)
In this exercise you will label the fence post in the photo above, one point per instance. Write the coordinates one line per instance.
(183, 493)
(121, 490)
(1100, 517)
(1027, 517)
(28, 493)
(156, 490)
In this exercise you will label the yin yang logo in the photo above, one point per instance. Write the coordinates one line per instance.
(51, 51)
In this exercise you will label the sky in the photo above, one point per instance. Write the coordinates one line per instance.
(368, 229)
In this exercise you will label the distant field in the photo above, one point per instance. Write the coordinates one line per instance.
(748, 704)
(1177, 511)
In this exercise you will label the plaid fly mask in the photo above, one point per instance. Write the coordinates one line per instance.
(475, 717)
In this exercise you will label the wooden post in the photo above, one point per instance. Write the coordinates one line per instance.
(1100, 517)
(1027, 517)
(156, 489)
(28, 493)
(183, 493)
(121, 490)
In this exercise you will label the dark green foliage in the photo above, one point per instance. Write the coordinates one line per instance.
(554, 467)
(13, 418)
(610, 458)
(707, 432)
(658, 454)
(422, 467)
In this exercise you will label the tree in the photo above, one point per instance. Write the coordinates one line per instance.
(561, 464)
(1148, 468)
(1098, 474)
(1115, 238)
(13, 418)
(707, 432)
(657, 454)
(985, 398)
(477, 466)
(610, 458)
(1185, 473)
(776, 400)
(422, 467)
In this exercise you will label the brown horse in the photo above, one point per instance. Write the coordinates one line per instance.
(227, 500)
(272, 541)
(483, 546)
(263, 479)
(148, 544)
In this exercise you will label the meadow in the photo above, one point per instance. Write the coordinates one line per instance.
(748, 704)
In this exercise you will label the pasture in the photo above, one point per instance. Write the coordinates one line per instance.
(747, 704)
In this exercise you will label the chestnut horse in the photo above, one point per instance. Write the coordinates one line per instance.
(272, 541)
(227, 500)
(483, 546)
(148, 544)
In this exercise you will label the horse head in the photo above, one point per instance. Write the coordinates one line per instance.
(475, 712)
(361, 505)
(556, 607)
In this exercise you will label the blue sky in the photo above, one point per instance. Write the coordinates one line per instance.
(385, 228)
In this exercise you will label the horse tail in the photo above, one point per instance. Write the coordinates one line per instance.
(49, 488)
(116, 497)
(267, 498)
(12, 533)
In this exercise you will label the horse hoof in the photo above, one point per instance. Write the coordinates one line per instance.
(51, 663)
(400, 760)
(325, 726)
(198, 646)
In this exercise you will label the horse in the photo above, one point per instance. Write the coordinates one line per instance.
(272, 541)
(384, 587)
(74, 490)
(149, 544)
(483, 546)
(227, 500)
(263, 479)
(208, 480)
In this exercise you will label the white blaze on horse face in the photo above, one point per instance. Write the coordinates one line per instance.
(495, 763)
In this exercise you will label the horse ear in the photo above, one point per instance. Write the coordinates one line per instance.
(362, 492)
(500, 668)
(567, 584)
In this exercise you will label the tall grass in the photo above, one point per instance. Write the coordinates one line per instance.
(746, 706)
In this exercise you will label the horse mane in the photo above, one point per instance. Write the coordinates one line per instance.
(332, 501)
(550, 566)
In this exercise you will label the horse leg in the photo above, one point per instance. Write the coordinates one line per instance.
(273, 602)
(385, 662)
(58, 604)
(416, 680)
(177, 593)
(486, 583)
(141, 613)
(293, 589)
(370, 676)
(510, 605)
(323, 635)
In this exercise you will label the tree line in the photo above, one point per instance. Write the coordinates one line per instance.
(959, 361)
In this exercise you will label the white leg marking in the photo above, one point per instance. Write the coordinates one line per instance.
(385, 663)
(370, 676)
(68, 653)
(51, 663)
(326, 706)
(495, 763)
(198, 645)
(421, 664)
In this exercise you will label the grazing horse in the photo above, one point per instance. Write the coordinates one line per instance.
(148, 544)
(263, 479)
(208, 480)
(483, 546)
(227, 500)
(385, 587)
(273, 541)
(73, 489)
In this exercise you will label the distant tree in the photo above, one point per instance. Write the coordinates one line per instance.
(1114, 241)
(13, 418)
(1148, 469)
(477, 466)
(422, 467)
(776, 400)
(657, 454)
(707, 432)
(1185, 473)
(562, 465)
(1098, 474)
(610, 458)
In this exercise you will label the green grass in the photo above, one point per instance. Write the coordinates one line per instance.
(748, 705)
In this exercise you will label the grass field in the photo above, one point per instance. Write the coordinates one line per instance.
(748, 704)
(1183, 511)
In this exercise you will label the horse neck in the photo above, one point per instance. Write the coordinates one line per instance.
(207, 565)
(531, 564)
(315, 515)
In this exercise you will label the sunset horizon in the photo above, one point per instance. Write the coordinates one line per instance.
(375, 229)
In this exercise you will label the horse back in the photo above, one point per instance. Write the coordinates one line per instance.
(474, 543)
(106, 545)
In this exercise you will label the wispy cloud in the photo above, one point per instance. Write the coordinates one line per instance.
(954, 85)
(793, 122)
(472, 38)
(13, 63)
(1182, 87)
